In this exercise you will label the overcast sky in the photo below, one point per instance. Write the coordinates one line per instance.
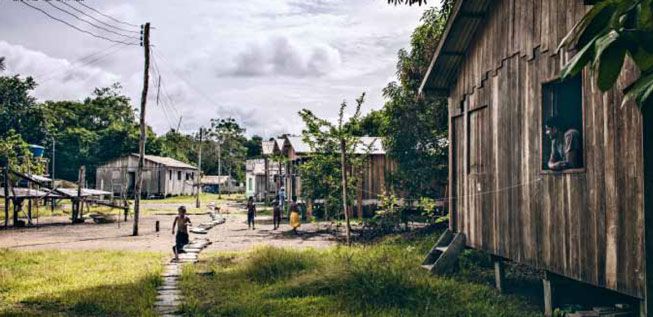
(260, 61)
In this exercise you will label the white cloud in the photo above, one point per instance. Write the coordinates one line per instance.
(280, 56)
(260, 61)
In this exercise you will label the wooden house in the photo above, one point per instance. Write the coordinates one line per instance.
(162, 176)
(375, 177)
(499, 66)
(258, 183)
(220, 184)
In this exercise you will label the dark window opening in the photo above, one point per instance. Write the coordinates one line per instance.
(178, 175)
(170, 175)
(562, 124)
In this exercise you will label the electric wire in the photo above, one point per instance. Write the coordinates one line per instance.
(91, 24)
(76, 28)
(86, 63)
(105, 15)
(98, 20)
(79, 60)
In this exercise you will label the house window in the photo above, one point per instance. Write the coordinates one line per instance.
(478, 131)
(250, 184)
(178, 175)
(562, 124)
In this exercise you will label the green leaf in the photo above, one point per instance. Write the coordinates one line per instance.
(590, 25)
(610, 54)
(576, 64)
(637, 89)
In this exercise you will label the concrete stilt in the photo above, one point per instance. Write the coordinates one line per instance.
(499, 274)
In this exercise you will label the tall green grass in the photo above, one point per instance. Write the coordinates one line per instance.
(88, 283)
(378, 280)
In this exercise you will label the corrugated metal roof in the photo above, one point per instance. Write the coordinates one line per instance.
(167, 161)
(366, 145)
(466, 17)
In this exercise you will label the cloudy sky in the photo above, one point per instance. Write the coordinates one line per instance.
(260, 61)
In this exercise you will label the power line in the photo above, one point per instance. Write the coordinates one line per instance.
(79, 60)
(105, 15)
(86, 63)
(98, 20)
(76, 28)
(91, 24)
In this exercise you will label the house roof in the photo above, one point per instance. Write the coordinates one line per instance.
(256, 166)
(466, 17)
(373, 144)
(167, 161)
(270, 147)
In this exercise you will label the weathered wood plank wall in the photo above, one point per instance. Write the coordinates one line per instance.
(586, 225)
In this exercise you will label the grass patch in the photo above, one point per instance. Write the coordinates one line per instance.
(383, 279)
(95, 283)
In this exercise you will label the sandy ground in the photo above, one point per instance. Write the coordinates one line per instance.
(233, 235)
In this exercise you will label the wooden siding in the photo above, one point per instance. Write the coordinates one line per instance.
(586, 225)
(113, 177)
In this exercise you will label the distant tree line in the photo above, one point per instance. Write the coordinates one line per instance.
(103, 127)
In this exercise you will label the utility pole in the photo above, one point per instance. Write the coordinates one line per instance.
(141, 142)
(199, 176)
(53, 167)
(5, 185)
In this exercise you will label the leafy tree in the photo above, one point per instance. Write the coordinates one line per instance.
(179, 146)
(331, 170)
(229, 139)
(253, 145)
(15, 151)
(416, 127)
(96, 130)
(372, 124)
(19, 111)
(611, 30)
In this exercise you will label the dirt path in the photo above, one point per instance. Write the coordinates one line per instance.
(230, 236)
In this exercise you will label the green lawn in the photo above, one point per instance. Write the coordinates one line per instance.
(95, 283)
(379, 280)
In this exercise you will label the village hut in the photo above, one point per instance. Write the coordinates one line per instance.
(498, 65)
(375, 176)
(258, 182)
(162, 176)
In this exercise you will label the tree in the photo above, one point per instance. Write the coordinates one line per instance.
(416, 128)
(253, 145)
(2, 63)
(230, 142)
(333, 166)
(608, 32)
(19, 111)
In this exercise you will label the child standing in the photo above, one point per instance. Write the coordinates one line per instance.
(181, 239)
(276, 215)
(251, 213)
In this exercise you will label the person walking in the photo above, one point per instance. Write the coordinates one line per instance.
(295, 218)
(181, 239)
(276, 215)
(282, 198)
(251, 213)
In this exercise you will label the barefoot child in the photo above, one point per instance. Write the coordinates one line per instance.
(251, 213)
(182, 231)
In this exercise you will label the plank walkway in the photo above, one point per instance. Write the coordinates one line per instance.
(169, 296)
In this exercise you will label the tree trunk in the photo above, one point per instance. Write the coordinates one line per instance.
(343, 167)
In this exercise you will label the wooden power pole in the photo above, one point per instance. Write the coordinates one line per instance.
(199, 176)
(141, 142)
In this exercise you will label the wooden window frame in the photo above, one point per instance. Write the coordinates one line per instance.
(580, 170)
(467, 121)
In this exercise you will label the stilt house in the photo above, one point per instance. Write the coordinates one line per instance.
(498, 65)
(162, 176)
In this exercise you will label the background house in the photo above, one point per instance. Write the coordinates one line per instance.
(257, 181)
(375, 176)
(498, 64)
(220, 184)
(162, 176)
